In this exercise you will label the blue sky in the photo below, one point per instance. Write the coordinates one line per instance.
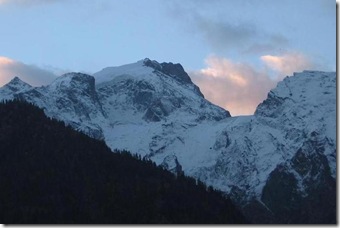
(217, 41)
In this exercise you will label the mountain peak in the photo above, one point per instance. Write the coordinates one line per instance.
(77, 76)
(73, 78)
(16, 85)
(174, 70)
(152, 63)
(74, 83)
(147, 70)
(17, 80)
(293, 91)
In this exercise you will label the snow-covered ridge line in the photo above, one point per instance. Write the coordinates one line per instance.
(154, 110)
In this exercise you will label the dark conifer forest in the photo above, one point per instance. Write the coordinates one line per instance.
(52, 174)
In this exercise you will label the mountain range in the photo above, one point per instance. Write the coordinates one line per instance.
(278, 165)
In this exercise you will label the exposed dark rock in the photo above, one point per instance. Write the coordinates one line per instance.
(312, 198)
(281, 194)
(142, 94)
(156, 112)
(223, 141)
(176, 71)
(270, 107)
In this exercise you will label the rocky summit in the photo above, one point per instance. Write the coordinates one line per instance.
(278, 165)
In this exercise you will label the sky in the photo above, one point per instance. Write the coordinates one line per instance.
(234, 50)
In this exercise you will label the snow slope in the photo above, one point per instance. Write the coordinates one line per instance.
(251, 147)
(157, 114)
(291, 135)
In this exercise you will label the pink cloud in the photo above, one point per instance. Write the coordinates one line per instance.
(237, 87)
(240, 87)
(287, 63)
(33, 75)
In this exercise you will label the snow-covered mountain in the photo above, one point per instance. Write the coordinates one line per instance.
(151, 109)
(283, 157)
(152, 92)
(14, 87)
(71, 98)
(273, 162)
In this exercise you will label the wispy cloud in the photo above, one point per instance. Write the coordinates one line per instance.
(244, 37)
(223, 33)
(240, 87)
(288, 62)
(33, 75)
(274, 43)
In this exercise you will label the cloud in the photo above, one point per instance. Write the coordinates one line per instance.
(33, 75)
(287, 63)
(222, 31)
(239, 87)
(223, 35)
(275, 43)
(244, 37)
(220, 35)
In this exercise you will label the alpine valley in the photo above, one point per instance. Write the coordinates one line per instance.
(278, 165)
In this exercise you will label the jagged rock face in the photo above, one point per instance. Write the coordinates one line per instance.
(302, 190)
(75, 93)
(307, 109)
(154, 91)
(174, 70)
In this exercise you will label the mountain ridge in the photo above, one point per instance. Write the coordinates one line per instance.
(164, 118)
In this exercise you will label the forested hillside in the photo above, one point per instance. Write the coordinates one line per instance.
(50, 173)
